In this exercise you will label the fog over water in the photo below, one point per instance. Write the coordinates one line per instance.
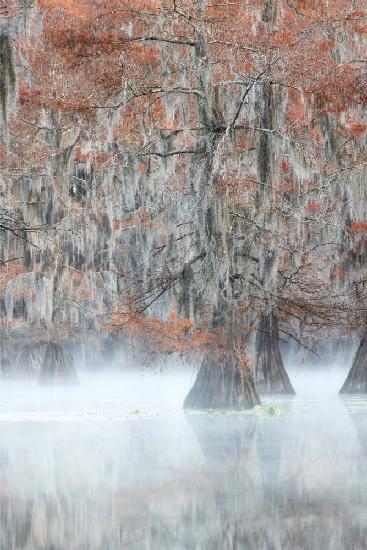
(116, 463)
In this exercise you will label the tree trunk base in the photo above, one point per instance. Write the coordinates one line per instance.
(57, 366)
(223, 382)
(356, 381)
(29, 362)
(270, 374)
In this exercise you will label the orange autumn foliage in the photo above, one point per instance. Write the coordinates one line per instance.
(357, 130)
(144, 219)
(285, 164)
(68, 7)
(176, 334)
(3, 154)
(314, 206)
(358, 227)
(105, 62)
(7, 273)
(337, 272)
(30, 95)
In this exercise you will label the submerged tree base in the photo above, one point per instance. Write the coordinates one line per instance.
(57, 366)
(29, 361)
(224, 381)
(356, 381)
(271, 376)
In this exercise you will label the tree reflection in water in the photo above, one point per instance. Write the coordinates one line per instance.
(201, 481)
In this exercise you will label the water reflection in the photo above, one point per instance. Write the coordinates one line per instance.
(110, 470)
(225, 439)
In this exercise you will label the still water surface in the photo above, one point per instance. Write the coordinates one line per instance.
(116, 464)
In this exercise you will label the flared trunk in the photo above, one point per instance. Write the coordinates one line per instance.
(270, 374)
(57, 366)
(356, 381)
(29, 362)
(223, 382)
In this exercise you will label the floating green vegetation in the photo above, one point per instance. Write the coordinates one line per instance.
(274, 410)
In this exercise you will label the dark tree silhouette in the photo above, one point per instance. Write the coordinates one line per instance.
(57, 366)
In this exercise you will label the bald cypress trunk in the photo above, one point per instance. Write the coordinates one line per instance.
(270, 374)
(356, 381)
(29, 361)
(223, 382)
(57, 366)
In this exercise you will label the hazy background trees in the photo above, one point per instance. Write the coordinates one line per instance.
(198, 167)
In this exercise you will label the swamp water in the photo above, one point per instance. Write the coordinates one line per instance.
(116, 464)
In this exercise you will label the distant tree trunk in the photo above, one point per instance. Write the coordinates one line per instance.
(223, 382)
(57, 366)
(5, 367)
(29, 361)
(270, 374)
(356, 381)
